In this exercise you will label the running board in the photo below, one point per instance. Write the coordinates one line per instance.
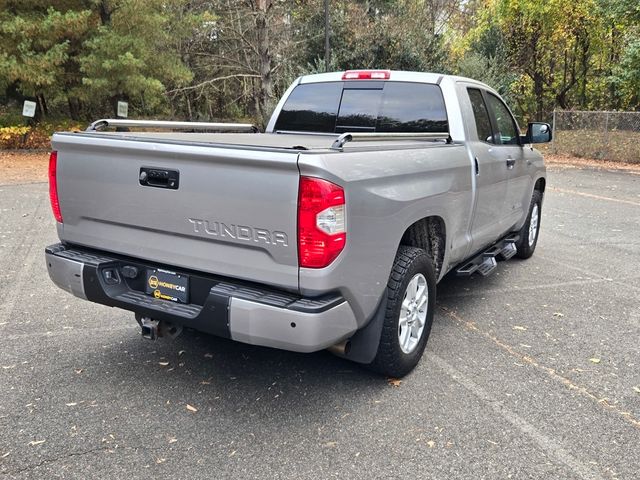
(485, 263)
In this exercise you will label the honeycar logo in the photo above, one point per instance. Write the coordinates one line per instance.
(243, 233)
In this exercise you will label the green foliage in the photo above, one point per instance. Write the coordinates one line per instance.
(364, 34)
(226, 59)
(38, 44)
(130, 57)
(626, 75)
(487, 69)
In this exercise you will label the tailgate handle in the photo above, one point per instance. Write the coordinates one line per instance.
(159, 178)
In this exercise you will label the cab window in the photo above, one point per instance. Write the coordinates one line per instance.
(337, 107)
(507, 132)
(481, 115)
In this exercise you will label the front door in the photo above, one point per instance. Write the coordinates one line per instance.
(491, 216)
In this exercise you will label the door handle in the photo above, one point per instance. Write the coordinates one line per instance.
(510, 162)
(159, 178)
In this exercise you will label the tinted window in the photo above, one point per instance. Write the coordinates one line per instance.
(393, 107)
(481, 115)
(412, 107)
(507, 133)
(311, 107)
(359, 110)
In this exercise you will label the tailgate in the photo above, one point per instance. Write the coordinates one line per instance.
(233, 213)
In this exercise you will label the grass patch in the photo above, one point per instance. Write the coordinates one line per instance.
(617, 145)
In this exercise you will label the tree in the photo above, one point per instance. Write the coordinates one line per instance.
(622, 19)
(399, 34)
(552, 47)
(39, 45)
(133, 54)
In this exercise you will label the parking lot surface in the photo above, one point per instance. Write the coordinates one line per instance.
(532, 372)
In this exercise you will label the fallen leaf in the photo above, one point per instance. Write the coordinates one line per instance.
(36, 442)
(173, 440)
(330, 444)
(164, 364)
(431, 443)
(518, 327)
(394, 382)
(191, 408)
(594, 360)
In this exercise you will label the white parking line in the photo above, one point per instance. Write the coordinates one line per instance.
(546, 443)
(591, 195)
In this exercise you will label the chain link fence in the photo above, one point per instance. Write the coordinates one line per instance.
(600, 135)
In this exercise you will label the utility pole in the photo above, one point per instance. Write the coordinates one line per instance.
(327, 48)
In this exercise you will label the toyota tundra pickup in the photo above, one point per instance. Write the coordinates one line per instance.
(329, 230)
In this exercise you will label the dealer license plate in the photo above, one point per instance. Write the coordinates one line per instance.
(167, 285)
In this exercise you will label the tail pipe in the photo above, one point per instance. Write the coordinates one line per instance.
(340, 349)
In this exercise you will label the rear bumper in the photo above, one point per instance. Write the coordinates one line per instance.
(240, 311)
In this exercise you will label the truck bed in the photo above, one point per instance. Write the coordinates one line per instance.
(233, 212)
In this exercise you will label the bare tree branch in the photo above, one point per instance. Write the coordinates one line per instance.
(213, 80)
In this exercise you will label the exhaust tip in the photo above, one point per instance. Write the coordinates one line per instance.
(341, 349)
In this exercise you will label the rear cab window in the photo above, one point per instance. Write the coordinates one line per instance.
(364, 106)
(481, 116)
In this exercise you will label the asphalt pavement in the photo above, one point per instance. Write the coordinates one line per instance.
(532, 372)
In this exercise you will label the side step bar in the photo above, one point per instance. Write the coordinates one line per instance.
(486, 262)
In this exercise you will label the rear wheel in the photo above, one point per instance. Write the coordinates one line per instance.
(529, 232)
(411, 296)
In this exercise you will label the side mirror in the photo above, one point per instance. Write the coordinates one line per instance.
(538, 132)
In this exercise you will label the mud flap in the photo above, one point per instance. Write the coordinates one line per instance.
(363, 346)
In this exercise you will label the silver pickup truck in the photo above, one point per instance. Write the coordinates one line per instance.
(329, 230)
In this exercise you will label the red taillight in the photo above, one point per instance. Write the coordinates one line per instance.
(322, 232)
(53, 186)
(366, 75)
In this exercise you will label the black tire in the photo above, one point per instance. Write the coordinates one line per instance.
(524, 248)
(391, 360)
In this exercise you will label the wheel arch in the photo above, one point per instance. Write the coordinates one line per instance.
(430, 234)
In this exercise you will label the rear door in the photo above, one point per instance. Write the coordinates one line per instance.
(230, 211)
(491, 175)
